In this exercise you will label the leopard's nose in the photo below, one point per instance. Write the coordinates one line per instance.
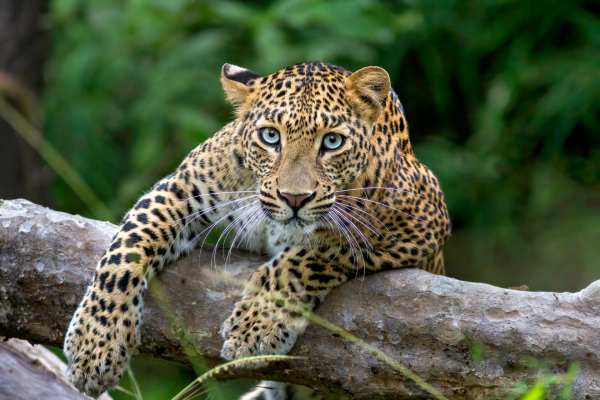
(295, 201)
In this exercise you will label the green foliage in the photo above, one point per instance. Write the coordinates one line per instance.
(548, 385)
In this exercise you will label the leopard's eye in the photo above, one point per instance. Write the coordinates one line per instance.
(333, 141)
(269, 135)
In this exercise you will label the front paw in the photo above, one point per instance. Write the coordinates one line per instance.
(98, 347)
(257, 327)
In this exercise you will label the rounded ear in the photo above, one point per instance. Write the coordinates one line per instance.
(234, 80)
(367, 90)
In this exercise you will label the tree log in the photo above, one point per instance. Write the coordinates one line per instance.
(434, 325)
(32, 372)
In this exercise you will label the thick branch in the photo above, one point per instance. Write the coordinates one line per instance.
(429, 323)
(32, 372)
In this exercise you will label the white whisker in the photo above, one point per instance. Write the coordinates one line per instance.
(211, 194)
(382, 204)
(350, 239)
(358, 219)
(257, 207)
(202, 212)
(363, 237)
(211, 227)
(354, 207)
(229, 228)
(422, 196)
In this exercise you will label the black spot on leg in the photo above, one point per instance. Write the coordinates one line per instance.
(132, 240)
(128, 226)
(110, 285)
(177, 191)
(150, 233)
(386, 265)
(115, 259)
(143, 204)
(142, 218)
(115, 245)
(103, 280)
(124, 280)
(157, 213)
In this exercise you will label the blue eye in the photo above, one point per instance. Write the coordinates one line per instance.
(269, 135)
(333, 141)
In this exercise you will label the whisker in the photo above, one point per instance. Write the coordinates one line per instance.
(335, 222)
(325, 218)
(216, 206)
(211, 194)
(349, 237)
(369, 247)
(242, 222)
(229, 228)
(361, 221)
(364, 212)
(363, 237)
(249, 225)
(233, 243)
(202, 212)
(308, 242)
(358, 247)
(385, 205)
(263, 216)
(422, 196)
(211, 227)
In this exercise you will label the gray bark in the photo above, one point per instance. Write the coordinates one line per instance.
(429, 323)
(32, 372)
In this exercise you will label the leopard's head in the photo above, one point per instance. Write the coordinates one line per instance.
(305, 133)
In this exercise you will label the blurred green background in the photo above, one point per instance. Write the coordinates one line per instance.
(502, 99)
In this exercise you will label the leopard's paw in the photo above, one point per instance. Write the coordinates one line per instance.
(259, 328)
(98, 346)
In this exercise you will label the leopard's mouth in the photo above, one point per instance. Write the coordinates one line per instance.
(295, 222)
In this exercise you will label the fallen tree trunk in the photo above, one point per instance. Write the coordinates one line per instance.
(468, 340)
(32, 372)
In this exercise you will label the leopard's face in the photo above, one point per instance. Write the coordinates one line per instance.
(303, 137)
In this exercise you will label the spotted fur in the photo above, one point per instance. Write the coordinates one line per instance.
(324, 215)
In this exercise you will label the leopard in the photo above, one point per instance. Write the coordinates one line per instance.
(316, 171)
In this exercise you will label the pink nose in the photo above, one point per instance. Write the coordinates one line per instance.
(295, 201)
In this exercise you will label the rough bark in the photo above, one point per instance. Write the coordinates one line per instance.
(32, 372)
(429, 323)
(24, 45)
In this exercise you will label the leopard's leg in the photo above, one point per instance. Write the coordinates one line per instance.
(105, 328)
(269, 318)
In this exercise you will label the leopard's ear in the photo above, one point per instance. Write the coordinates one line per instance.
(235, 83)
(367, 90)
